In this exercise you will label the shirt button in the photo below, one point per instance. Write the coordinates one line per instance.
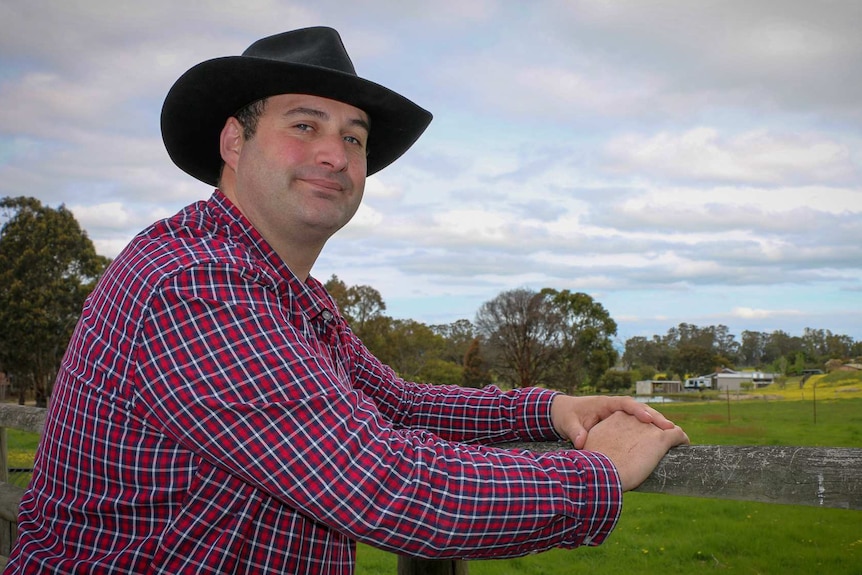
(327, 315)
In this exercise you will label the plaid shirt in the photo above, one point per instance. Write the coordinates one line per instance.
(215, 415)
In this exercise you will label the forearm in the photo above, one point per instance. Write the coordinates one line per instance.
(496, 503)
(486, 415)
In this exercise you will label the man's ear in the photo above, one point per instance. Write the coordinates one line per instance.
(230, 142)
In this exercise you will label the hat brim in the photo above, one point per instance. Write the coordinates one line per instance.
(203, 98)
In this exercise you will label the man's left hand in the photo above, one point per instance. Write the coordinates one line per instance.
(573, 417)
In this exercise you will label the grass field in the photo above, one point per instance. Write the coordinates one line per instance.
(667, 535)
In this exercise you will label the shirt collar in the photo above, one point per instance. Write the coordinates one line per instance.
(312, 296)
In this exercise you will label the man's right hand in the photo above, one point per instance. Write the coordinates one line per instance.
(634, 447)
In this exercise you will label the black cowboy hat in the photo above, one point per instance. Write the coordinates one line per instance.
(308, 61)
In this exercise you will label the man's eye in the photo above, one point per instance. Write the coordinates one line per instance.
(353, 140)
(303, 127)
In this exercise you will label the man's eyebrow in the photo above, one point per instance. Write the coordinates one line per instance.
(320, 114)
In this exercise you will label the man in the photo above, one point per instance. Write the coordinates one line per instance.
(215, 414)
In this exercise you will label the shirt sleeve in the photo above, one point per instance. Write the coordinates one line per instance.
(224, 373)
(487, 415)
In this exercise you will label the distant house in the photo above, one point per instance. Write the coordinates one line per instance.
(657, 386)
(850, 367)
(728, 379)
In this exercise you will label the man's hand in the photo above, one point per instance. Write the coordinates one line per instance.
(573, 417)
(634, 447)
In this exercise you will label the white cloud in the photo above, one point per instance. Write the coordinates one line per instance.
(757, 156)
(559, 92)
(748, 313)
(377, 188)
(104, 216)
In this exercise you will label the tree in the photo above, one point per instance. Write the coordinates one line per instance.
(366, 304)
(693, 359)
(410, 348)
(839, 346)
(475, 373)
(641, 353)
(780, 345)
(616, 381)
(636, 352)
(459, 336)
(799, 363)
(752, 351)
(362, 307)
(339, 292)
(585, 339)
(360, 304)
(521, 329)
(555, 338)
(441, 372)
(48, 266)
(724, 343)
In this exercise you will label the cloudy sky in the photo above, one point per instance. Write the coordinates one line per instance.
(679, 161)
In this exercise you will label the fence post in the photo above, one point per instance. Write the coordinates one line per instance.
(4, 456)
(7, 533)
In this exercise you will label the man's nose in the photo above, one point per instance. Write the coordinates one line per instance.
(332, 152)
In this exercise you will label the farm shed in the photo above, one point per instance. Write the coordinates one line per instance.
(728, 379)
(656, 386)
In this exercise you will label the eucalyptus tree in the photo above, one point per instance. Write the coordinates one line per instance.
(585, 339)
(48, 266)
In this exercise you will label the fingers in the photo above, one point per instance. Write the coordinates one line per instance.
(634, 446)
(679, 437)
(580, 438)
(574, 417)
(644, 413)
(647, 414)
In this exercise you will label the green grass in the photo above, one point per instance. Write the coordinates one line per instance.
(660, 534)
(666, 535)
(770, 422)
(21, 446)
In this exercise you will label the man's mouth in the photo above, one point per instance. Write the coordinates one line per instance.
(326, 183)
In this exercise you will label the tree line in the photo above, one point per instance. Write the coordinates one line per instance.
(692, 350)
(522, 337)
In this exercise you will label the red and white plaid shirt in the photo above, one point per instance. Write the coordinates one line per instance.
(215, 415)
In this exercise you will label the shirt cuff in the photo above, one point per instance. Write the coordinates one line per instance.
(595, 497)
(534, 414)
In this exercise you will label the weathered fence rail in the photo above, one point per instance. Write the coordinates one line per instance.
(816, 476)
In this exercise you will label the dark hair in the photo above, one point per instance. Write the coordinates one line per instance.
(247, 116)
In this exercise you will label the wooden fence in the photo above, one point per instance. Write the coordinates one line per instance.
(816, 476)
(26, 419)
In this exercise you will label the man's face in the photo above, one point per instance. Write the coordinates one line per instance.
(301, 177)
